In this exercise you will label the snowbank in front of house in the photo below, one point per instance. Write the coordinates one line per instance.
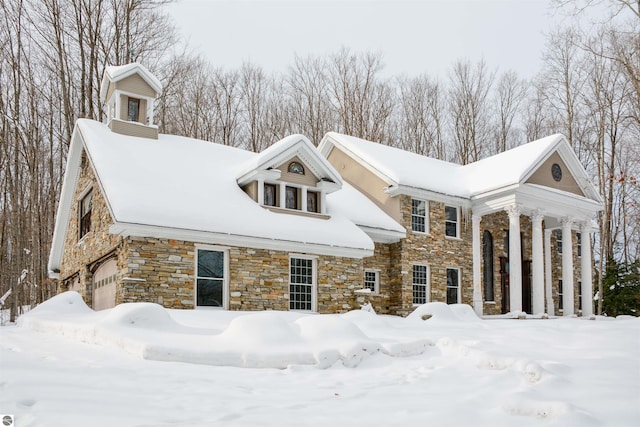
(267, 339)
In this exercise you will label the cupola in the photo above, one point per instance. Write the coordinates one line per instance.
(129, 92)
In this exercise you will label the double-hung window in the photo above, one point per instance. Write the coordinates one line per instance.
(420, 284)
(302, 282)
(453, 285)
(560, 295)
(419, 221)
(85, 213)
(210, 278)
(451, 220)
(559, 241)
(372, 280)
(579, 243)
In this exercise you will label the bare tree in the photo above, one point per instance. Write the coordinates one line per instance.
(510, 92)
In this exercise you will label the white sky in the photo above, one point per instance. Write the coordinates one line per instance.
(414, 36)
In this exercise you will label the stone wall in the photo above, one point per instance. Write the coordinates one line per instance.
(385, 261)
(81, 253)
(556, 272)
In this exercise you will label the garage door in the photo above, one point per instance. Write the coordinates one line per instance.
(104, 286)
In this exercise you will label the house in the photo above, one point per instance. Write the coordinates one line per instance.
(193, 224)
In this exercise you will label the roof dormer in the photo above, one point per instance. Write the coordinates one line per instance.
(129, 92)
(291, 177)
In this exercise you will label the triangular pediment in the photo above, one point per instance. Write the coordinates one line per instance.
(555, 173)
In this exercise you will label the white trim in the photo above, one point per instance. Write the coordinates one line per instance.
(427, 286)
(225, 279)
(457, 208)
(380, 235)
(420, 193)
(139, 230)
(427, 221)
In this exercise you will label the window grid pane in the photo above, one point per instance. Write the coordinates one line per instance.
(370, 280)
(418, 215)
(301, 284)
(420, 278)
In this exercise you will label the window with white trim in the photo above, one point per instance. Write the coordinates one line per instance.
(558, 241)
(270, 194)
(420, 284)
(211, 278)
(133, 109)
(560, 296)
(579, 295)
(302, 282)
(419, 220)
(453, 285)
(579, 243)
(451, 221)
(372, 280)
(291, 199)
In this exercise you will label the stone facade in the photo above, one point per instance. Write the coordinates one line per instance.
(556, 272)
(82, 254)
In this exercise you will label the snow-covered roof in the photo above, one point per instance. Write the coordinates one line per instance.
(401, 168)
(115, 73)
(181, 187)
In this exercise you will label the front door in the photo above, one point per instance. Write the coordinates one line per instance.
(504, 283)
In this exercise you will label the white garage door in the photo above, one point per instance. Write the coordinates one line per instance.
(104, 286)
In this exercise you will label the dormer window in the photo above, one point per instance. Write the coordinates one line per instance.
(296, 167)
(312, 201)
(270, 195)
(133, 110)
(292, 198)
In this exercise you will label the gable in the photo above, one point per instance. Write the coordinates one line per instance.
(543, 176)
(308, 178)
(133, 84)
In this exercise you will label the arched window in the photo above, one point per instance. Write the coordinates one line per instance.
(296, 167)
(487, 264)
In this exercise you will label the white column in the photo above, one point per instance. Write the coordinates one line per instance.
(585, 267)
(477, 276)
(261, 191)
(303, 202)
(283, 195)
(567, 268)
(323, 199)
(537, 263)
(547, 272)
(515, 260)
(150, 111)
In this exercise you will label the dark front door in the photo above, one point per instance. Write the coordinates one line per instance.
(504, 283)
(526, 287)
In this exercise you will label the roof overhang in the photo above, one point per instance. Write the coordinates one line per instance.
(421, 193)
(380, 235)
(139, 230)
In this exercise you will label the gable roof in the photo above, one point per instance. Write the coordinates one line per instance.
(183, 188)
(400, 168)
(115, 73)
(285, 149)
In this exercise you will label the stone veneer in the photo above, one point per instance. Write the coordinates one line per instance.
(80, 255)
(556, 272)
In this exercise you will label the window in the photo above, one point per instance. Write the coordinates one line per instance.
(296, 167)
(420, 284)
(579, 243)
(487, 265)
(210, 279)
(453, 286)
(371, 280)
(133, 110)
(291, 198)
(451, 221)
(560, 295)
(301, 284)
(85, 213)
(270, 194)
(312, 201)
(419, 215)
(579, 295)
(559, 241)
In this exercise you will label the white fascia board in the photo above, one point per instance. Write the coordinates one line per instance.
(380, 235)
(256, 174)
(139, 230)
(425, 194)
(328, 187)
(70, 180)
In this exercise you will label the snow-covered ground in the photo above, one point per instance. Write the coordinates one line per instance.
(142, 365)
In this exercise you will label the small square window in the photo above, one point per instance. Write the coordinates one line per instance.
(371, 280)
